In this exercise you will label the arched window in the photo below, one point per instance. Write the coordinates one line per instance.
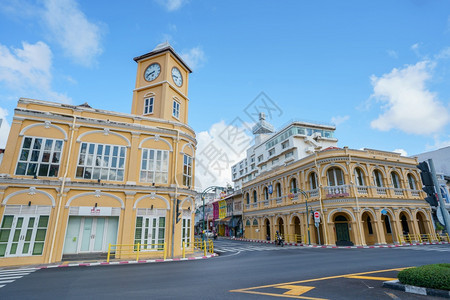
(377, 178)
(248, 199)
(247, 223)
(312, 181)
(255, 222)
(359, 177)
(293, 185)
(335, 177)
(278, 188)
(255, 198)
(395, 181)
(266, 194)
(412, 182)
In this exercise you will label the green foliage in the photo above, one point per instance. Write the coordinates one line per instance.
(430, 276)
(439, 227)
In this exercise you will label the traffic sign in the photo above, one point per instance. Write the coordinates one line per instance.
(316, 217)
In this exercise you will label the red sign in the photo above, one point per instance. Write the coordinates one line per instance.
(316, 214)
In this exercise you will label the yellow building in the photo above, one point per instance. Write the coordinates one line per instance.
(362, 197)
(75, 179)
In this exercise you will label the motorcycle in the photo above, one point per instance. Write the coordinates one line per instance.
(279, 241)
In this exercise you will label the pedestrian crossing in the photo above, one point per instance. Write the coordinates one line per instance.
(9, 276)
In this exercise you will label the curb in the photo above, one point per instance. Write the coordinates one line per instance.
(342, 247)
(129, 262)
(396, 285)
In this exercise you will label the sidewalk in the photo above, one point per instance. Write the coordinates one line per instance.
(337, 247)
(92, 263)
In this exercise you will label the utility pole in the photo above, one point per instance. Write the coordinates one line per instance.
(440, 198)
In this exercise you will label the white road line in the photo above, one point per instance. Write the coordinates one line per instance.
(10, 277)
(6, 281)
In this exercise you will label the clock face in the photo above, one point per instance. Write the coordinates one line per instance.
(152, 72)
(176, 76)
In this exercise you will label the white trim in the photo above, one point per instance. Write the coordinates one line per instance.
(46, 125)
(105, 132)
(338, 210)
(190, 146)
(96, 194)
(31, 191)
(152, 196)
(157, 138)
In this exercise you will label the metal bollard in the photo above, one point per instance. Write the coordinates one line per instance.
(137, 252)
(109, 253)
(204, 248)
(184, 250)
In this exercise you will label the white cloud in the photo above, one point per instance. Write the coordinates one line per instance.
(172, 5)
(339, 119)
(28, 71)
(4, 128)
(402, 152)
(194, 57)
(69, 27)
(392, 53)
(218, 149)
(439, 142)
(406, 103)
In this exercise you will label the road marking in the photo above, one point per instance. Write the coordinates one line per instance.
(371, 278)
(8, 276)
(251, 290)
(391, 295)
(295, 290)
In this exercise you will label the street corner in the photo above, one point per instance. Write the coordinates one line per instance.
(368, 285)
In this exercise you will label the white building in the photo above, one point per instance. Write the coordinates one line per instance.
(273, 150)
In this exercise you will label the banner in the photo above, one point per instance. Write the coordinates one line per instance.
(222, 209)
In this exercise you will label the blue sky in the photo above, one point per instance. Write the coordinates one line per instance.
(380, 70)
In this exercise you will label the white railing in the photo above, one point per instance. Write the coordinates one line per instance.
(313, 193)
(381, 190)
(398, 192)
(415, 193)
(266, 202)
(337, 191)
(278, 200)
(362, 190)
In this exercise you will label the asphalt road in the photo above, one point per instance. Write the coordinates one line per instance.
(242, 271)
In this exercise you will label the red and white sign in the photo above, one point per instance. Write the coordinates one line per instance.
(316, 216)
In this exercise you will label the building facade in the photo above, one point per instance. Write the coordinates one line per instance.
(361, 197)
(75, 179)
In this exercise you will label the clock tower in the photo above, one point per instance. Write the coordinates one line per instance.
(161, 85)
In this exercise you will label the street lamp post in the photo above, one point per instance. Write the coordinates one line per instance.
(295, 190)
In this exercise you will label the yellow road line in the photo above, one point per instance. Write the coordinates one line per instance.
(279, 295)
(315, 279)
(371, 278)
(295, 290)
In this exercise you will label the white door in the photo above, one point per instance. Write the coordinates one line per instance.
(21, 235)
(90, 234)
(150, 232)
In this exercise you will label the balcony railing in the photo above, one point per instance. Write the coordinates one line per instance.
(362, 190)
(337, 191)
(381, 190)
(313, 193)
(398, 192)
(279, 200)
(266, 202)
(415, 193)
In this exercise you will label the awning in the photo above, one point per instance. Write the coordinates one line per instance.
(224, 220)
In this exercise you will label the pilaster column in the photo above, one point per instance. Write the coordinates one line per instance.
(381, 237)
